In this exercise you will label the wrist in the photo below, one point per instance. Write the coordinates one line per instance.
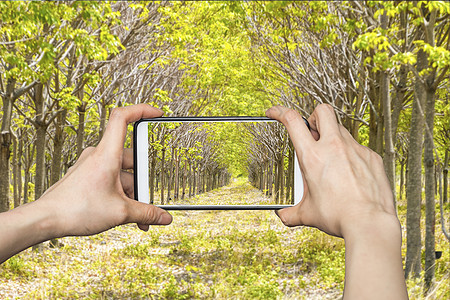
(373, 226)
(373, 259)
(25, 226)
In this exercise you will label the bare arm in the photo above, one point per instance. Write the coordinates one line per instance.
(95, 194)
(347, 194)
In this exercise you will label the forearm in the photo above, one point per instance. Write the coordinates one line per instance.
(373, 261)
(23, 227)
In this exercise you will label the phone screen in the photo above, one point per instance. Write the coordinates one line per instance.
(191, 163)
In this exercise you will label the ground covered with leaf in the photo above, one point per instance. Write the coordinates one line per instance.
(202, 254)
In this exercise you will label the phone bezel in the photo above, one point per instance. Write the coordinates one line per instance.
(298, 186)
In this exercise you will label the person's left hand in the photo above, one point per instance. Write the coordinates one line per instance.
(96, 194)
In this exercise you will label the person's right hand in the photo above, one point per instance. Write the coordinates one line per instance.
(345, 183)
(347, 194)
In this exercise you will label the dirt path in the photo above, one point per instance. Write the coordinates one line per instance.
(224, 255)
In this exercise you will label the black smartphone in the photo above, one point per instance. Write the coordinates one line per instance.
(180, 161)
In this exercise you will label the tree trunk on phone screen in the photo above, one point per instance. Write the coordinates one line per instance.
(163, 172)
(190, 177)
(261, 178)
(204, 187)
(276, 181)
(170, 175)
(264, 175)
(184, 177)
(288, 176)
(177, 175)
(200, 181)
(152, 176)
(414, 178)
(194, 183)
(270, 179)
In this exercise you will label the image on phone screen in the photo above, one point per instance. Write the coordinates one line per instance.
(178, 161)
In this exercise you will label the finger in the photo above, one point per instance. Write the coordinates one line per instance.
(127, 180)
(296, 127)
(143, 227)
(290, 216)
(146, 214)
(323, 120)
(127, 159)
(114, 137)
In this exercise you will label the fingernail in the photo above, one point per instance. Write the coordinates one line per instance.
(307, 123)
(165, 219)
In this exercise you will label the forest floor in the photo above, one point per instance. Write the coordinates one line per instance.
(201, 255)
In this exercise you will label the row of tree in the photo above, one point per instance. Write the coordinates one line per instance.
(271, 162)
(183, 157)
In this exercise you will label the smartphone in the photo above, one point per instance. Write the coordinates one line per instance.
(191, 163)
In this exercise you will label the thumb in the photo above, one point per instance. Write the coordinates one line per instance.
(147, 214)
(290, 216)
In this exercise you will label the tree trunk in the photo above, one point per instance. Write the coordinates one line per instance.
(19, 164)
(27, 177)
(16, 174)
(81, 122)
(445, 176)
(389, 153)
(414, 178)
(41, 128)
(102, 116)
(430, 207)
(5, 144)
(372, 128)
(56, 162)
(80, 129)
(402, 178)
(58, 144)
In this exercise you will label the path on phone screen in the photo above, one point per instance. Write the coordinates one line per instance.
(202, 254)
